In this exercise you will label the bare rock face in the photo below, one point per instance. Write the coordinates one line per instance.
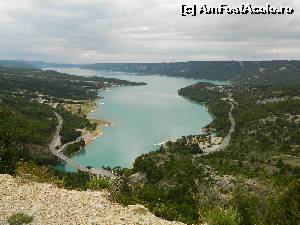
(137, 178)
(51, 205)
(225, 183)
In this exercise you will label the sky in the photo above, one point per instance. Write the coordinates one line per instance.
(89, 31)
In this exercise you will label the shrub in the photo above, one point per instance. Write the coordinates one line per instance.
(246, 205)
(76, 181)
(285, 209)
(97, 184)
(19, 219)
(7, 160)
(221, 217)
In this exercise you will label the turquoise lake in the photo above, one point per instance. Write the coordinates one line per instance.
(142, 116)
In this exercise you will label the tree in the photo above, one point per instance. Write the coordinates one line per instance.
(8, 155)
(79, 111)
(8, 160)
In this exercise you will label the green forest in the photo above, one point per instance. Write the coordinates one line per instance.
(52, 85)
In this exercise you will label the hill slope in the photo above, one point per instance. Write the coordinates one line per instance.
(283, 72)
(51, 205)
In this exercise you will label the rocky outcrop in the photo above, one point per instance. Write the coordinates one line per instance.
(51, 205)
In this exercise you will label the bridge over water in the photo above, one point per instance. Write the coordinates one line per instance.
(56, 149)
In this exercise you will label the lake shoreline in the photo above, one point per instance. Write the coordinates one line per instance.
(90, 136)
(145, 115)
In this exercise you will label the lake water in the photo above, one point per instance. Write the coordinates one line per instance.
(142, 116)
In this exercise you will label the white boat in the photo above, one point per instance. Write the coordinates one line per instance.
(161, 143)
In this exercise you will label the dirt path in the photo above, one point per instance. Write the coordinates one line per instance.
(226, 140)
(56, 137)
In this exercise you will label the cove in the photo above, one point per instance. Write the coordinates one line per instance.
(142, 116)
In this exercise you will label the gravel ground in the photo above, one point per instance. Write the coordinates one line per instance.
(50, 205)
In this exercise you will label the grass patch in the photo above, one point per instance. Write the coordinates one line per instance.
(222, 217)
(19, 219)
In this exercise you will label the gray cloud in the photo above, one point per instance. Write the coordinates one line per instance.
(86, 31)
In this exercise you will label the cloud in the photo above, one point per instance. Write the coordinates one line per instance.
(86, 31)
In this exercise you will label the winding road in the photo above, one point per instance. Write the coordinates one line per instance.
(226, 140)
(56, 137)
(56, 149)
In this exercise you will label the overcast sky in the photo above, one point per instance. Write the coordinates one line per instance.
(87, 31)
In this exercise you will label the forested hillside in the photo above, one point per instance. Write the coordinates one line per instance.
(250, 72)
(28, 99)
(52, 84)
(16, 64)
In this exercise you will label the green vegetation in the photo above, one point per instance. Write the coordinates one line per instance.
(33, 123)
(253, 181)
(19, 219)
(267, 208)
(77, 180)
(16, 64)
(72, 122)
(169, 187)
(98, 184)
(26, 129)
(8, 160)
(216, 101)
(222, 217)
(206, 70)
(73, 148)
(81, 181)
(54, 86)
(265, 133)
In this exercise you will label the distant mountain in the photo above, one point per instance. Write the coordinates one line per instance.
(202, 69)
(42, 64)
(33, 64)
(16, 64)
(283, 72)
